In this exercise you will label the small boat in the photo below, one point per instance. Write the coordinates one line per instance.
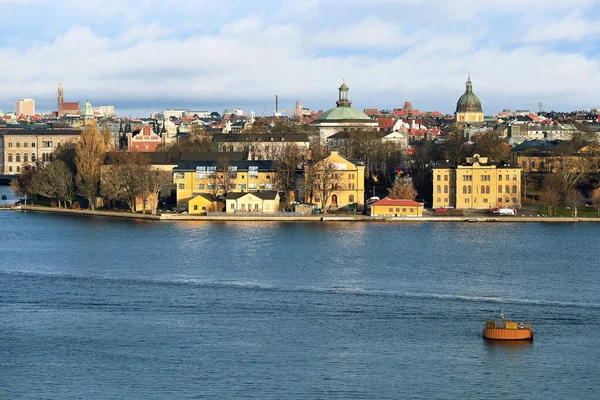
(4, 197)
(507, 329)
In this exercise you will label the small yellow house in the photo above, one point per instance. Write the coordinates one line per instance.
(220, 178)
(396, 208)
(258, 202)
(202, 203)
(343, 180)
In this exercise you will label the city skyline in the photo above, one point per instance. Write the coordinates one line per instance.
(186, 54)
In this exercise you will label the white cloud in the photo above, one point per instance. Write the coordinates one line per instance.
(571, 28)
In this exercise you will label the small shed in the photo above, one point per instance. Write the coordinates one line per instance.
(396, 208)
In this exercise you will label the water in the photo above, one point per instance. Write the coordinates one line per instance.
(94, 308)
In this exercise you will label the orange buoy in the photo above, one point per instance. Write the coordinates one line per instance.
(507, 330)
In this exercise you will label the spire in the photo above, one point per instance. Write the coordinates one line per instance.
(469, 84)
(343, 97)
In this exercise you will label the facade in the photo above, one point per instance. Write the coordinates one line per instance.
(540, 156)
(25, 107)
(477, 185)
(258, 202)
(104, 111)
(20, 147)
(145, 141)
(202, 203)
(258, 146)
(348, 182)
(396, 208)
(222, 177)
(343, 117)
(468, 107)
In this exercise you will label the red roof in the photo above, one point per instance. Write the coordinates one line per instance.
(71, 105)
(400, 203)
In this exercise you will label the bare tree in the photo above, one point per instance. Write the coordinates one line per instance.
(287, 160)
(90, 153)
(124, 179)
(491, 144)
(326, 179)
(552, 190)
(60, 178)
(596, 200)
(156, 181)
(573, 198)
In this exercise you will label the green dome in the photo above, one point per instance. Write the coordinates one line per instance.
(468, 102)
(342, 112)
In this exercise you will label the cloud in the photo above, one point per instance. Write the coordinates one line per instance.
(203, 54)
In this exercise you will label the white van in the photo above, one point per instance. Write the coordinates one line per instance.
(506, 211)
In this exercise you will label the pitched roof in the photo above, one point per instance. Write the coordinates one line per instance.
(387, 202)
(212, 156)
(208, 196)
(246, 137)
(268, 195)
(40, 131)
(243, 165)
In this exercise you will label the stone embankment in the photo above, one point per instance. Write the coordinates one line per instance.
(303, 218)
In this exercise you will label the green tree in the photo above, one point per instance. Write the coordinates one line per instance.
(402, 189)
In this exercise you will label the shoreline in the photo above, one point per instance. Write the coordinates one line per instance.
(316, 218)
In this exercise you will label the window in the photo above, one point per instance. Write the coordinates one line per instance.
(25, 144)
(404, 210)
(507, 189)
(32, 157)
(499, 199)
(10, 168)
(470, 190)
(445, 189)
(500, 177)
(10, 144)
(211, 172)
(465, 189)
(201, 172)
(514, 177)
(232, 172)
(260, 186)
(482, 189)
(220, 186)
(242, 186)
(317, 199)
(467, 200)
(232, 206)
(232, 186)
(18, 144)
(487, 189)
(446, 178)
(32, 144)
(195, 207)
(412, 210)
(499, 188)
(256, 207)
(438, 190)
(532, 165)
(200, 186)
(514, 189)
(351, 198)
(210, 186)
(18, 157)
(506, 200)
(439, 177)
(25, 157)
(445, 200)
(10, 158)
(178, 175)
(181, 186)
(252, 186)
(252, 172)
(439, 200)
(270, 186)
(391, 210)
(508, 177)
(485, 200)
(243, 206)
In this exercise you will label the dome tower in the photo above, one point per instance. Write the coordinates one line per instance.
(468, 106)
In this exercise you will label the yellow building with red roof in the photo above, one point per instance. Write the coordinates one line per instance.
(396, 208)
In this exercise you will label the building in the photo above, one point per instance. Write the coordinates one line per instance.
(146, 140)
(25, 107)
(69, 109)
(176, 113)
(345, 180)
(20, 147)
(220, 177)
(396, 208)
(343, 117)
(233, 111)
(477, 184)
(202, 203)
(259, 146)
(539, 156)
(258, 202)
(87, 114)
(468, 107)
(104, 111)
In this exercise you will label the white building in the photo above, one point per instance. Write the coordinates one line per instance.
(104, 111)
(174, 112)
(234, 111)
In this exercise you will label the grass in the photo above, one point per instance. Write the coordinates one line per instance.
(582, 212)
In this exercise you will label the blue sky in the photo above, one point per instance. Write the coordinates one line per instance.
(149, 55)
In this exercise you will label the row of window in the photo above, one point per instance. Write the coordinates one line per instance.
(18, 144)
(483, 178)
(485, 201)
(398, 210)
(18, 157)
(232, 186)
(486, 189)
(350, 199)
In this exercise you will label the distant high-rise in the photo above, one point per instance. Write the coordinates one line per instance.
(25, 107)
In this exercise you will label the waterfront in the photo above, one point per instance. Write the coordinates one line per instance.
(105, 308)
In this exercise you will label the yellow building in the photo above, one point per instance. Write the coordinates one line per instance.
(258, 202)
(343, 180)
(202, 203)
(20, 147)
(468, 107)
(477, 184)
(396, 208)
(221, 177)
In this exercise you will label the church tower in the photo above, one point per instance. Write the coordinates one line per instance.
(61, 100)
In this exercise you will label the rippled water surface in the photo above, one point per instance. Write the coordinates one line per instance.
(94, 308)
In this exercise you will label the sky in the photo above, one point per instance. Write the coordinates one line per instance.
(145, 55)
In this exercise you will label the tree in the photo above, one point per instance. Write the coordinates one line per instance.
(56, 181)
(596, 200)
(402, 189)
(21, 185)
(90, 154)
(67, 152)
(125, 178)
(156, 181)
(573, 198)
(552, 190)
(106, 137)
(491, 144)
(326, 179)
(287, 159)
(456, 147)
